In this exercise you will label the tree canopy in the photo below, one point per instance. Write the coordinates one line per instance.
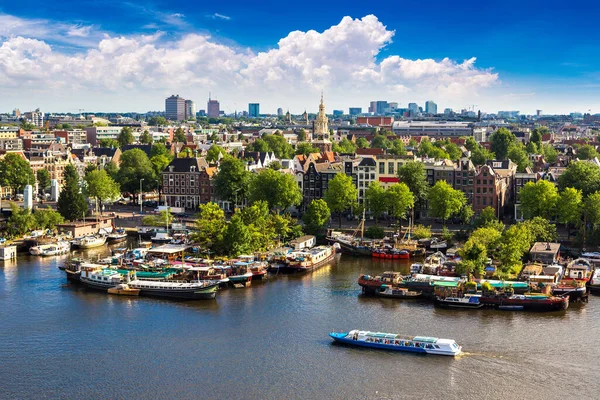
(306, 148)
(316, 216)
(101, 186)
(341, 194)
(376, 200)
(280, 191)
(413, 175)
(345, 146)
(213, 152)
(501, 141)
(43, 178)
(135, 166)
(15, 172)
(71, 202)
(125, 137)
(146, 138)
(158, 121)
(538, 199)
(444, 201)
(232, 181)
(581, 175)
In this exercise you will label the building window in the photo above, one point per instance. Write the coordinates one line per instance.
(391, 168)
(381, 168)
(484, 200)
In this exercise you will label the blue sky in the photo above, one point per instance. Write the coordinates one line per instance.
(127, 56)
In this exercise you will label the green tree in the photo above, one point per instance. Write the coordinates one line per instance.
(301, 135)
(397, 148)
(275, 165)
(306, 148)
(279, 146)
(341, 194)
(163, 218)
(210, 227)
(550, 153)
(453, 151)
(158, 121)
(466, 214)
(43, 178)
(212, 155)
(101, 186)
(237, 238)
(376, 199)
(501, 141)
(28, 126)
(160, 149)
(399, 200)
(536, 135)
(89, 168)
(135, 166)
(111, 169)
(259, 145)
(532, 148)
(345, 146)
(279, 190)
(146, 137)
(20, 221)
(444, 201)
(488, 219)
(479, 156)
(159, 163)
(71, 202)
(516, 240)
(421, 232)
(316, 217)
(232, 181)
(518, 155)
(179, 136)
(362, 143)
(109, 143)
(581, 175)
(380, 142)
(569, 206)
(15, 172)
(413, 175)
(471, 144)
(47, 218)
(587, 152)
(538, 199)
(541, 230)
(125, 137)
(591, 210)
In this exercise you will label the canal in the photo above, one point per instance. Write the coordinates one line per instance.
(270, 341)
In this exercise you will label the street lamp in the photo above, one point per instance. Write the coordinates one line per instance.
(141, 210)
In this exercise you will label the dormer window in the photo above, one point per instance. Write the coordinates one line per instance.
(171, 168)
(193, 168)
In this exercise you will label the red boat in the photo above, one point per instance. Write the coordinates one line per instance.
(390, 254)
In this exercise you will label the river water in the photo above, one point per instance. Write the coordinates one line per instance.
(270, 341)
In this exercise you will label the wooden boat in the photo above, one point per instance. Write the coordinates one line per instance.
(258, 268)
(466, 301)
(398, 293)
(239, 272)
(123, 289)
(394, 342)
(433, 263)
(161, 237)
(574, 282)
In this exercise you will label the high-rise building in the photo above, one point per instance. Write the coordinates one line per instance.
(413, 108)
(447, 111)
(430, 107)
(175, 108)
(280, 112)
(392, 107)
(355, 110)
(373, 107)
(253, 110)
(338, 113)
(190, 109)
(381, 107)
(213, 108)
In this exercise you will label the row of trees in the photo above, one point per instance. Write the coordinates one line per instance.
(23, 221)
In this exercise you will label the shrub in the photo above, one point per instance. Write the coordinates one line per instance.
(375, 232)
(421, 232)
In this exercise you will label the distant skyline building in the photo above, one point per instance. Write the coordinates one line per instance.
(447, 111)
(280, 112)
(338, 113)
(508, 114)
(413, 108)
(382, 106)
(430, 107)
(213, 108)
(355, 111)
(175, 108)
(253, 110)
(190, 109)
(373, 107)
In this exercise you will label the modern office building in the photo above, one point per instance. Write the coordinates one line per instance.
(280, 112)
(413, 108)
(213, 108)
(373, 107)
(253, 110)
(190, 109)
(175, 108)
(430, 107)
(338, 113)
(355, 110)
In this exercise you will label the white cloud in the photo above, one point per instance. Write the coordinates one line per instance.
(341, 60)
(219, 16)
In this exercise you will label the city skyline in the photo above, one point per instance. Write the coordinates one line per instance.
(62, 58)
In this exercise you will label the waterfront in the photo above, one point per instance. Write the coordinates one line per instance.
(270, 341)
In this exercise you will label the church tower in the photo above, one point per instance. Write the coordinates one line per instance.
(321, 131)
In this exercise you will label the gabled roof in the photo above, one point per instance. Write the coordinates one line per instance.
(146, 148)
(104, 151)
(185, 164)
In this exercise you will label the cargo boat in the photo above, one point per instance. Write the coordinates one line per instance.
(391, 341)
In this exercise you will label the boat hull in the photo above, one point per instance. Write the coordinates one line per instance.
(291, 268)
(341, 338)
(348, 248)
(455, 304)
(118, 239)
(205, 293)
(547, 305)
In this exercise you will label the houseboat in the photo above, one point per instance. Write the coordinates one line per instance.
(578, 269)
(193, 290)
(574, 282)
(390, 291)
(527, 302)
(433, 263)
(394, 342)
(89, 242)
(240, 272)
(53, 249)
(258, 268)
(309, 260)
(373, 284)
(161, 237)
(594, 283)
(95, 276)
(117, 236)
(466, 301)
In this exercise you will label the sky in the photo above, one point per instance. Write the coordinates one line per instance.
(126, 56)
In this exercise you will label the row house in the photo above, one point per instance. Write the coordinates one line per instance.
(11, 144)
(388, 166)
(259, 159)
(522, 179)
(366, 173)
(105, 155)
(55, 163)
(187, 182)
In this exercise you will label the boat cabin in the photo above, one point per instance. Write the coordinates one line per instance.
(303, 242)
(168, 252)
(545, 252)
(531, 269)
(546, 279)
